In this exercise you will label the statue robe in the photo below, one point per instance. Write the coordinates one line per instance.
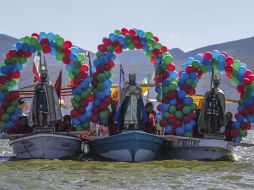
(205, 114)
(131, 111)
(45, 101)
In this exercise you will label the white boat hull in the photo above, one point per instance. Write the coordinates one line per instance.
(46, 146)
(198, 149)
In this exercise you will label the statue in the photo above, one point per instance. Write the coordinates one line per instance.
(45, 107)
(131, 113)
(212, 116)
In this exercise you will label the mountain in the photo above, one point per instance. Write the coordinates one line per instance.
(137, 62)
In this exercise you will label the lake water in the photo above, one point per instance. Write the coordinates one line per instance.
(173, 174)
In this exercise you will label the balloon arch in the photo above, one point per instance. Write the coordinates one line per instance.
(165, 74)
(19, 54)
(237, 72)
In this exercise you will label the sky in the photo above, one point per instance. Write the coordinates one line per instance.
(186, 24)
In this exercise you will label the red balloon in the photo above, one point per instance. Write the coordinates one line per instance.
(35, 35)
(108, 100)
(106, 41)
(234, 133)
(124, 31)
(102, 47)
(245, 126)
(208, 55)
(155, 38)
(66, 60)
(180, 106)
(163, 122)
(240, 89)
(153, 60)
(132, 32)
(46, 49)
(74, 113)
(119, 49)
(138, 46)
(67, 44)
(178, 122)
(94, 118)
(164, 49)
(84, 67)
(84, 102)
(103, 106)
(95, 110)
(45, 41)
(246, 81)
(224, 53)
(229, 69)
(91, 97)
(15, 75)
(12, 53)
(171, 67)
(229, 61)
(83, 75)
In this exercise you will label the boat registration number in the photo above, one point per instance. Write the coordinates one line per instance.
(190, 142)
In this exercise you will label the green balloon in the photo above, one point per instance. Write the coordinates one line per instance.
(23, 60)
(99, 54)
(188, 134)
(194, 107)
(195, 64)
(163, 66)
(79, 128)
(172, 86)
(158, 127)
(118, 32)
(111, 48)
(15, 103)
(165, 90)
(34, 41)
(165, 115)
(38, 47)
(148, 35)
(158, 98)
(70, 76)
(103, 115)
(157, 45)
(243, 133)
(77, 98)
(81, 58)
(149, 54)
(59, 41)
(2, 125)
(5, 117)
(12, 83)
(59, 56)
(108, 74)
(101, 77)
(186, 110)
(131, 46)
(234, 80)
(172, 109)
(128, 38)
(75, 72)
(236, 64)
(178, 114)
(168, 59)
(150, 43)
(85, 94)
(85, 125)
(101, 86)
(11, 110)
(76, 105)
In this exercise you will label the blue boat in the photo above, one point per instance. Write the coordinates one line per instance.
(129, 146)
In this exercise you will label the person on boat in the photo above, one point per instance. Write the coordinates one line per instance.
(59, 127)
(228, 127)
(196, 133)
(150, 127)
(67, 124)
(111, 123)
(131, 114)
(103, 131)
(212, 116)
(45, 107)
(20, 127)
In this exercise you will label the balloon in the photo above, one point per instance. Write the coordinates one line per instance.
(168, 129)
(180, 131)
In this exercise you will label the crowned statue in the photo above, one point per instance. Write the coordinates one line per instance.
(45, 107)
(131, 113)
(212, 117)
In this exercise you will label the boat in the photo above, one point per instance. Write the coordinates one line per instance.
(185, 148)
(46, 146)
(128, 146)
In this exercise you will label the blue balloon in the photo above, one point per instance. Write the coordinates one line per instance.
(43, 35)
(173, 102)
(140, 33)
(184, 76)
(14, 117)
(172, 75)
(112, 36)
(189, 60)
(96, 102)
(165, 82)
(103, 122)
(19, 67)
(221, 58)
(32, 49)
(9, 124)
(74, 50)
(121, 40)
(75, 121)
(82, 118)
(4, 70)
(107, 92)
(240, 118)
(158, 89)
(221, 66)
(164, 107)
(188, 127)
(180, 131)
(215, 53)
(199, 57)
(73, 57)
(53, 52)
(51, 36)
(168, 129)
(69, 67)
(237, 139)
(181, 94)
(158, 116)
(19, 45)
(77, 91)
(25, 47)
(242, 70)
(187, 101)
(100, 95)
